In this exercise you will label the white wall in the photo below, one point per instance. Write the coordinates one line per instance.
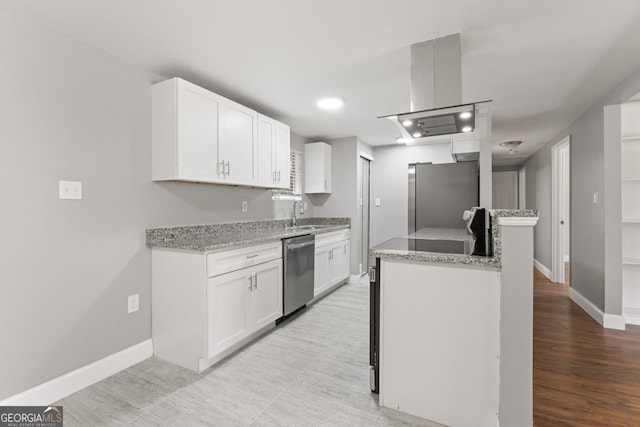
(71, 112)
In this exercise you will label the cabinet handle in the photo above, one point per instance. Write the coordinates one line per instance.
(255, 281)
(330, 254)
(228, 167)
(325, 184)
(250, 282)
(252, 256)
(274, 177)
(278, 176)
(345, 249)
(221, 165)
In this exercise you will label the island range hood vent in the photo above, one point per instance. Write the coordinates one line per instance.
(436, 92)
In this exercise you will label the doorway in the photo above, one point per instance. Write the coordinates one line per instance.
(505, 190)
(365, 194)
(561, 211)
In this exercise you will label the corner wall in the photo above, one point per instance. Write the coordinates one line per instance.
(588, 172)
(72, 112)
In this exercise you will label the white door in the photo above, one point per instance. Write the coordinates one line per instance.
(282, 156)
(321, 270)
(505, 190)
(198, 134)
(227, 307)
(237, 143)
(266, 149)
(266, 295)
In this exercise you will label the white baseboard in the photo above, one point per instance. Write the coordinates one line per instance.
(67, 384)
(355, 278)
(544, 270)
(614, 321)
(631, 314)
(609, 321)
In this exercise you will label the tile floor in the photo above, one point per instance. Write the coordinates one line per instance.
(311, 371)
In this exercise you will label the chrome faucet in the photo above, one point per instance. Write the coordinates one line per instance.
(293, 217)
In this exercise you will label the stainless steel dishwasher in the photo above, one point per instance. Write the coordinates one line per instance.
(299, 260)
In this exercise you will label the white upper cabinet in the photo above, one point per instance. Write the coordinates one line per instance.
(184, 131)
(282, 157)
(200, 136)
(237, 143)
(274, 148)
(317, 168)
(266, 145)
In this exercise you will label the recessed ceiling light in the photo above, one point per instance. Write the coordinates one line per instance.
(402, 140)
(407, 123)
(465, 115)
(466, 129)
(332, 103)
(417, 135)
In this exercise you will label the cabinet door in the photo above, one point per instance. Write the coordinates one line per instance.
(282, 164)
(266, 151)
(197, 133)
(266, 295)
(237, 143)
(321, 270)
(227, 309)
(346, 260)
(336, 261)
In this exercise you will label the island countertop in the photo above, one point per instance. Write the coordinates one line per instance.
(455, 234)
(217, 237)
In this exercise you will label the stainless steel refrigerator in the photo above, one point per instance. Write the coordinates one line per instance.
(439, 194)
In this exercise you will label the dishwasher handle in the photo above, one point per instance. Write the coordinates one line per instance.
(300, 245)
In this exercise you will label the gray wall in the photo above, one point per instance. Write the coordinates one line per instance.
(71, 112)
(343, 200)
(588, 146)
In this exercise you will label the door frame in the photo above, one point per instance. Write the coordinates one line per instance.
(365, 201)
(557, 197)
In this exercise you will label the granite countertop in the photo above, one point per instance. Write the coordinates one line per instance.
(455, 234)
(217, 237)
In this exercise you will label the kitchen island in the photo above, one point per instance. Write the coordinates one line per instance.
(455, 330)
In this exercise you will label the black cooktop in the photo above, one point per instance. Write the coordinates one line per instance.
(423, 245)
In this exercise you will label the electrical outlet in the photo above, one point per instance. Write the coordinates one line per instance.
(70, 190)
(133, 303)
(595, 198)
(244, 206)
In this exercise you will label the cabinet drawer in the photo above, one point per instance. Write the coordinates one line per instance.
(224, 262)
(332, 237)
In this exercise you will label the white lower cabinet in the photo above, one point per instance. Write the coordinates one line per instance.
(202, 311)
(332, 260)
(241, 302)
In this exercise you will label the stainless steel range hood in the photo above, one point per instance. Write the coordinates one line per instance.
(436, 93)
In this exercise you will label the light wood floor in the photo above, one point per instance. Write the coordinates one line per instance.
(584, 375)
(312, 371)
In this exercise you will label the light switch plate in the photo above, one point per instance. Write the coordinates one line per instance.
(595, 198)
(70, 190)
(377, 201)
(244, 206)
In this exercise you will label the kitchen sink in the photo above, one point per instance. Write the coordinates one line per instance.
(307, 227)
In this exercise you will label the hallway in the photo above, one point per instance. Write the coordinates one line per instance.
(584, 375)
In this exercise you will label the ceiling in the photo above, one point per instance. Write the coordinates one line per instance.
(543, 62)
